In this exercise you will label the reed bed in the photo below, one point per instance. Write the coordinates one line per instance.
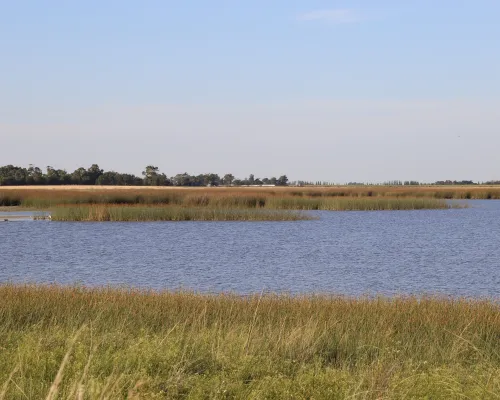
(35, 196)
(102, 213)
(437, 192)
(83, 343)
(355, 203)
(273, 209)
(217, 198)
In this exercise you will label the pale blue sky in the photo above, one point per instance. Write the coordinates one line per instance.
(320, 90)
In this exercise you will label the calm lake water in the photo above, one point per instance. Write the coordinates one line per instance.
(452, 252)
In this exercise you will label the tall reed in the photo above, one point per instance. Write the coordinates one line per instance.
(228, 197)
(222, 198)
(101, 213)
(354, 203)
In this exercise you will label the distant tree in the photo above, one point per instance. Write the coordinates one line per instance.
(94, 175)
(182, 179)
(198, 180)
(162, 180)
(150, 174)
(52, 178)
(35, 176)
(211, 179)
(108, 178)
(228, 179)
(80, 177)
(57, 176)
(11, 175)
(282, 180)
(94, 172)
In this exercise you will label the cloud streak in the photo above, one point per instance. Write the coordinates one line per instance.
(335, 16)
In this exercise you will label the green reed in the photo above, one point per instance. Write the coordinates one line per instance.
(355, 203)
(171, 213)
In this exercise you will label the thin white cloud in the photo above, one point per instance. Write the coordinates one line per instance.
(336, 16)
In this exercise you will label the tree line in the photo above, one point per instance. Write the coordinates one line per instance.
(11, 175)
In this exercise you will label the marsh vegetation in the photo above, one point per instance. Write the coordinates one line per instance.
(103, 213)
(116, 343)
(206, 204)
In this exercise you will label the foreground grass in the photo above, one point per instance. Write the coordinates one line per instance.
(105, 343)
(101, 213)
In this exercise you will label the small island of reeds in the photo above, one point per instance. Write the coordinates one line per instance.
(206, 204)
(87, 343)
(105, 213)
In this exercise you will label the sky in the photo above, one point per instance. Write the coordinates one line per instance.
(339, 91)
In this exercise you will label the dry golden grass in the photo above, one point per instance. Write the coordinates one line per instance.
(285, 198)
(455, 191)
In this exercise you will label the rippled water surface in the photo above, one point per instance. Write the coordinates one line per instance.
(454, 252)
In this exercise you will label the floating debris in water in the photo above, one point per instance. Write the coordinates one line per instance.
(42, 217)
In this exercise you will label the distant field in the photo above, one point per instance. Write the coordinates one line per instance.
(265, 188)
(455, 191)
(67, 193)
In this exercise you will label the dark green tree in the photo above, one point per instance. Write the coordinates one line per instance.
(282, 180)
(150, 175)
(94, 172)
(228, 179)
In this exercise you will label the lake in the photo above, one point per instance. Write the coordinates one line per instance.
(448, 252)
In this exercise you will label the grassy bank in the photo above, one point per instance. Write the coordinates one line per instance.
(101, 213)
(104, 343)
